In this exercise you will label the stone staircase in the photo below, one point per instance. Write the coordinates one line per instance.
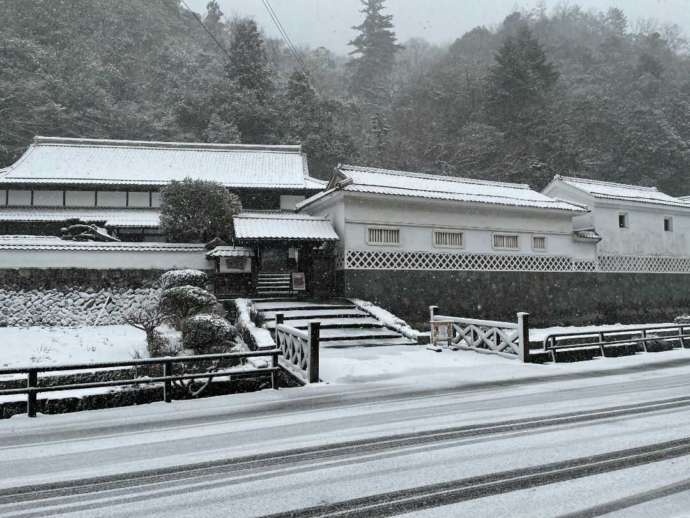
(343, 324)
(274, 285)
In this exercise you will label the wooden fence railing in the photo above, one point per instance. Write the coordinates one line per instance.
(670, 334)
(33, 388)
(299, 349)
(509, 339)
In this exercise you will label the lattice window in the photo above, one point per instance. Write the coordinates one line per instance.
(506, 241)
(383, 236)
(539, 243)
(448, 239)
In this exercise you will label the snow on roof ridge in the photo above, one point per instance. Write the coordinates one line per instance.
(286, 214)
(438, 177)
(39, 140)
(606, 183)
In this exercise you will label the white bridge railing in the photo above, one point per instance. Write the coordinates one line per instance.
(299, 350)
(509, 339)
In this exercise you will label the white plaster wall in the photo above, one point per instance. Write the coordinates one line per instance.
(139, 199)
(80, 198)
(289, 201)
(333, 208)
(111, 199)
(107, 260)
(48, 198)
(645, 234)
(17, 198)
(417, 220)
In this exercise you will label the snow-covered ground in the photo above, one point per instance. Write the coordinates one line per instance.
(420, 367)
(30, 346)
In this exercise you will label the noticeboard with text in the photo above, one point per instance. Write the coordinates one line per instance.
(298, 282)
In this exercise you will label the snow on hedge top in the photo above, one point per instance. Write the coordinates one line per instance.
(620, 191)
(124, 162)
(404, 183)
(190, 277)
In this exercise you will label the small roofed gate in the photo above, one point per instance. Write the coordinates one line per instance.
(285, 243)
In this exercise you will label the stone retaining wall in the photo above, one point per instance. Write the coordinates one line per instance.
(550, 298)
(73, 297)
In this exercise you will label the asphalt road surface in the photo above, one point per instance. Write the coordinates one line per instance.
(614, 445)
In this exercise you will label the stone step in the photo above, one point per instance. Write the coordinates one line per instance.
(287, 304)
(378, 342)
(297, 306)
(346, 335)
(306, 314)
(335, 323)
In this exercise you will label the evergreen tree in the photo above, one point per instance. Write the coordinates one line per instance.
(315, 123)
(374, 54)
(520, 82)
(248, 64)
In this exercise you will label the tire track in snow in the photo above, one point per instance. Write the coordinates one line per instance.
(29, 497)
(452, 492)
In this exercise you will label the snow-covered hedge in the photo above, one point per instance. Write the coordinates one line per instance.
(256, 337)
(175, 278)
(207, 333)
(185, 301)
(71, 307)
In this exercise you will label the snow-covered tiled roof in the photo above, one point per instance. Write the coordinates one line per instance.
(282, 226)
(619, 191)
(67, 161)
(139, 218)
(230, 251)
(55, 243)
(587, 235)
(402, 183)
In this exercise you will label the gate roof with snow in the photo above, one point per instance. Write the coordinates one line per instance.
(371, 180)
(282, 226)
(70, 161)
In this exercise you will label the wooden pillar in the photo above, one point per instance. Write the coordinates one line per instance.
(31, 383)
(313, 367)
(523, 337)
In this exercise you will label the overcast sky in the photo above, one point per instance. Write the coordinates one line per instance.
(327, 22)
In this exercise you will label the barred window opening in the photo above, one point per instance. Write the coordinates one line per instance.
(539, 243)
(448, 239)
(383, 236)
(506, 241)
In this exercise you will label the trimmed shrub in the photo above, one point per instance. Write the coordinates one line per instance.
(207, 334)
(185, 301)
(176, 278)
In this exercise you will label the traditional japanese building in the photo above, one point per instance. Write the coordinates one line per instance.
(639, 228)
(117, 183)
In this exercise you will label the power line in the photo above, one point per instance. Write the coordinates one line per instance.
(283, 32)
(203, 25)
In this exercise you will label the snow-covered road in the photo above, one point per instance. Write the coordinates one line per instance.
(168, 438)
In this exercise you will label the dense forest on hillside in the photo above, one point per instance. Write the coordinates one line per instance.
(564, 91)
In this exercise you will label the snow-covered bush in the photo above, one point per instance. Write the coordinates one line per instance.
(185, 301)
(175, 278)
(207, 334)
